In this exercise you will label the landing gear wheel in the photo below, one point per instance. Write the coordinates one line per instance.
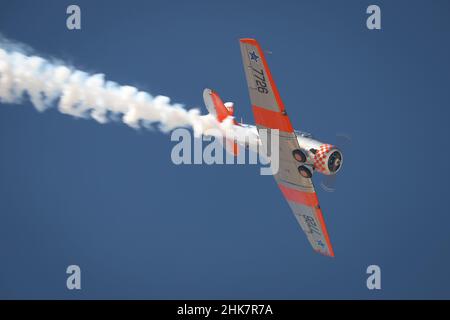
(305, 172)
(299, 155)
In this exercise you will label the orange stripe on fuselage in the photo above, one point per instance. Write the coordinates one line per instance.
(306, 198)
(272, 119)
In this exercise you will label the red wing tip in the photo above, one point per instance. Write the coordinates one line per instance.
(248, 40)
(331, 255)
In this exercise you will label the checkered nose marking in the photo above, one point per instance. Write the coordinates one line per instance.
(321, 157)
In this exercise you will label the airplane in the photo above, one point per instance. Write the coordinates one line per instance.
(299, 154)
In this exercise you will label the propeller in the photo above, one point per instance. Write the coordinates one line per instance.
(328, 183)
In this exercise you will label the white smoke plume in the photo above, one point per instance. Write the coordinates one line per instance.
(49, 84)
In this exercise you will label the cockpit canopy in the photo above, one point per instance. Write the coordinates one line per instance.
(303, 134)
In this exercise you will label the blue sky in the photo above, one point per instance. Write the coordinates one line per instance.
(109, 199)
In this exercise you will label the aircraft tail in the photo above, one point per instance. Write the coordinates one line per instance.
(221, 111)
(215, 105)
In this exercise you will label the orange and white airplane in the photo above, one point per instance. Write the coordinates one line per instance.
(299, 154)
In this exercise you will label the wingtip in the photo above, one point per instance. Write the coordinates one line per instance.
(248, 40)
(331, 254)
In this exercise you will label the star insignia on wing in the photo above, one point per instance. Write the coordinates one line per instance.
(254, 56)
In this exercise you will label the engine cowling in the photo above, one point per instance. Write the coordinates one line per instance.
(323, 157)
(327, 159)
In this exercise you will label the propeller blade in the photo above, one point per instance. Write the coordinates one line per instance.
(343, 141)
(328, 183)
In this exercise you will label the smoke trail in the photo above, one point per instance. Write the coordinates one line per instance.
(77, 93)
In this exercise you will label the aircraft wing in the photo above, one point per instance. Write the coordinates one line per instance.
(269, 112)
